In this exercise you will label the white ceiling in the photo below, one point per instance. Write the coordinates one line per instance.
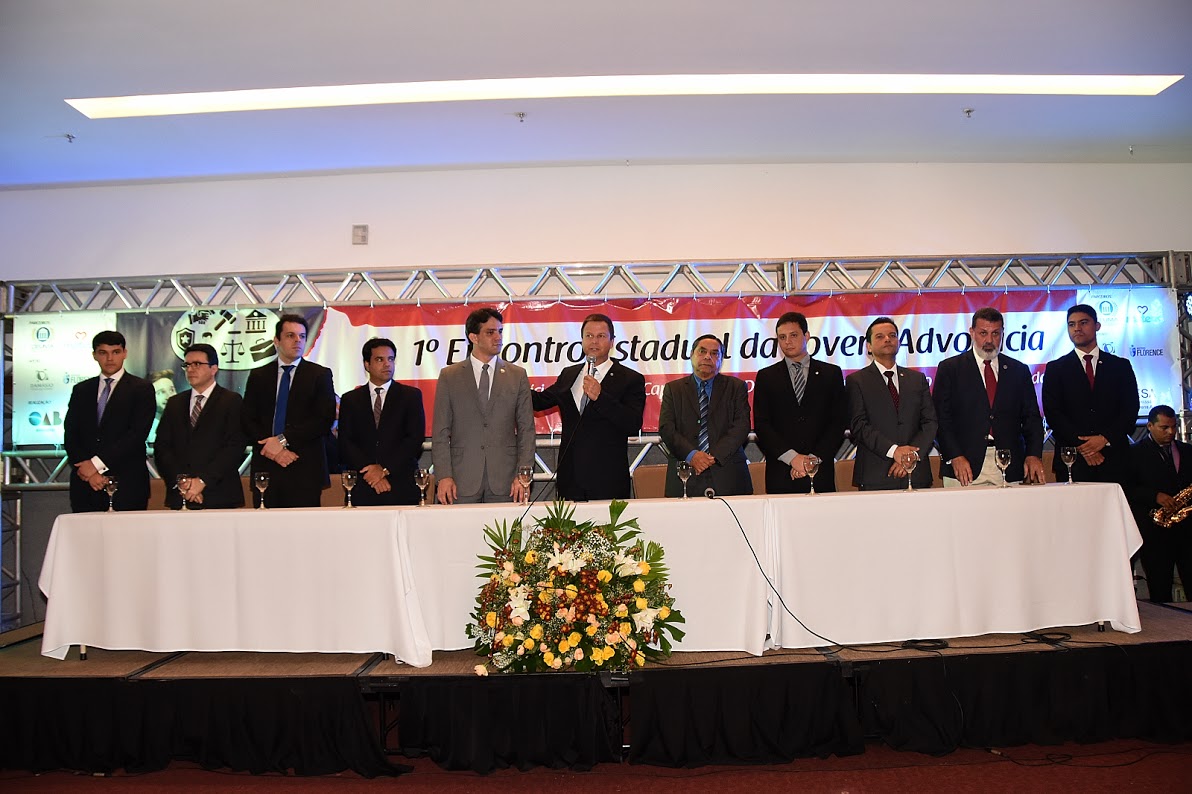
(51, 50)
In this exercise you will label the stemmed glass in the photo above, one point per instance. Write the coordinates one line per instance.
(182, 484)
(348, 478)
(422, 479)
(909, 461)
(684, 472)
(525, 475)
(109, 486)
(1068, 456)
(261, 481)
(1003, 462)
(813, 464)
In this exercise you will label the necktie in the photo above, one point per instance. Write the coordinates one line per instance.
(798, 380)
(377, 405)
(283, 397)
(1088, 369)
(483, 391)
(702, 439)
(103, 398)
(990, 383)
(893, 390)
(583, 401)
(1175, 456)
(196, 410)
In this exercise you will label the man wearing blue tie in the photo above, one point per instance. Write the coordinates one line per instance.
(289, 406)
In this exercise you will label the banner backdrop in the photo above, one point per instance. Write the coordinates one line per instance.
(652, 336)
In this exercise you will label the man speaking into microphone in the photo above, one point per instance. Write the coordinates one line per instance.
(601, 403)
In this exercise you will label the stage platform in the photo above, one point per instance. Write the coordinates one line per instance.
(324, 713)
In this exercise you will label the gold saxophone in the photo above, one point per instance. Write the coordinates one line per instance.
(1179, 510)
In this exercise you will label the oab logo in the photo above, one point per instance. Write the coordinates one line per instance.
(48, 419)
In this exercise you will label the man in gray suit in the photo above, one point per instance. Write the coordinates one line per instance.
(705, 421)
(483, 428)
(890, 413)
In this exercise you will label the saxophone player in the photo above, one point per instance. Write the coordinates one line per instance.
(1160, 493)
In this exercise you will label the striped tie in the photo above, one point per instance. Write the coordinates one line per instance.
(196, 410)
(798, 380)
(703, 417)
(377, 406)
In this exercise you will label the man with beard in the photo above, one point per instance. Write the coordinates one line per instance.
(985, 401)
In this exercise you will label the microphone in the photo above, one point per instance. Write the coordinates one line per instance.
(710, 493)
(592, 365)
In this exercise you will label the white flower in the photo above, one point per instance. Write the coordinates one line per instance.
(565, 560)
(519, 602)
(645, 619)
(625, 565)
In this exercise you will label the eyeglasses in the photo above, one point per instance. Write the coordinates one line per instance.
(192, 364)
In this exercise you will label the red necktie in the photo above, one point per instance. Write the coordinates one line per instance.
(1088, 368)
(893, 389)
(990, 383)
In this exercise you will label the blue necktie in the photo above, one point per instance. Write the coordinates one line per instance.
(103, 398)
(703, 417)
(283, 396)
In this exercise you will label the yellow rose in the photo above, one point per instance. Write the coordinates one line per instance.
(528, 644)
(591, 630)
(548, 657)
(643, 567)
(600, 597)
(609, 653)
(639, 586)
(663, 613)
(545, 596)
(490, 620)
(641, 603)
(604, 576)
(507, 640)
(536, 632)
(626, 628)
(564, 646)
(597, 658)
(572, 591)
(639, 659)
(574, 638)
(622, 611)
(531, 557)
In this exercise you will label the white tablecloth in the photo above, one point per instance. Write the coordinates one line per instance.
(884, 566)
(221, 580)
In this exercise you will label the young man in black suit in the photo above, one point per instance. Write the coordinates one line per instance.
(107, 421)
(1090, 399)
(985, 401)
(1161, 467)
(799, 409)
(289, 406)
(601, 402)
(382, 425)
(199, 434)
(711, 440)
(890, 414)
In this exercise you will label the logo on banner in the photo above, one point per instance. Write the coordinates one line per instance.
(1106, 308)
(1145, 351)
(243, 338)
(1108, 347)
(42, 333)
(47, 419)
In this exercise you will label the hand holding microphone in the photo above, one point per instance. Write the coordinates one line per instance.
(591, 386)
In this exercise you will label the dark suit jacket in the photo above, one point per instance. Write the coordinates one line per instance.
(119, 441)
(213, 449)
(396, 444)
(728, 430)
(594, 449)
(876, 427)
(816, 425)
(310, 411)
(1109, 409)
(1150, 475)
(965, 417)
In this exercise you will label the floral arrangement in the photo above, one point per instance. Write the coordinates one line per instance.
(572, 596)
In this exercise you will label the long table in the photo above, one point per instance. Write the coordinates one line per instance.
(853, 567)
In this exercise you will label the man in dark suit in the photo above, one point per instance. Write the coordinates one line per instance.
(705, 421)
(890, 414)
(1090, 399)
(1161, 467)
(799, 409)
(289, 406)
(985, 401)
(601, 402)
(382, 425)
(483, 425)
(107, 421)
(199, 434)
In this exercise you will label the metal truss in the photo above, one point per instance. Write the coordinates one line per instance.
(621, 280)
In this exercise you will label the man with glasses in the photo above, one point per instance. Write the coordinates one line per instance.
(601, 402)
(199, 435)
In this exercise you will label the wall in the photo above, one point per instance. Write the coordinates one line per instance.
(597, 213)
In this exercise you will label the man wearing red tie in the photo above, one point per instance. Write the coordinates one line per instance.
(985, 401)
(1090, 399)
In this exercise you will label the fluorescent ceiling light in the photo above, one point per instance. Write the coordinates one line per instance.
(616, 86)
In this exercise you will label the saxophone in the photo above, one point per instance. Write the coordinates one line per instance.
(1179, 510)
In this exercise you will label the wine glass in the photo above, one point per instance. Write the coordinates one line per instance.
(1003, 462)
(261, 481)
(813, 464)
(111, 483)
(909, 461)
(684, 471)
(422, 479)
(525, 475)
(182, 484)
(348, 478)
(1068, 456)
